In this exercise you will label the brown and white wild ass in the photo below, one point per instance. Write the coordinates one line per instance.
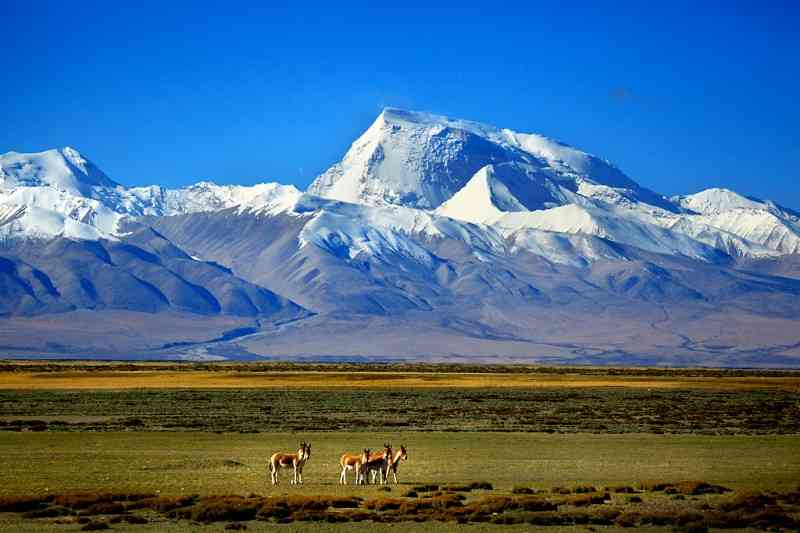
(376, 462)
(295, 461)
(352, 462)
(394, 462)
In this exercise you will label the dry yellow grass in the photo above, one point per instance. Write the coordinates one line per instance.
(73, 379)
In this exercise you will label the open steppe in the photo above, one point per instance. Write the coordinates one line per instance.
(601, 448)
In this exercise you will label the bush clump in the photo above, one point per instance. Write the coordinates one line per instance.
(383, 504)
(162, 504)
(103, 508)
(696, 488)
(221, 509)
(748, 501)
(95, 526)
(52, 511)
(21, 504)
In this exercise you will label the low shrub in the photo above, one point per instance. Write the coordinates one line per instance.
(533, 503)
(560, 490)
(410, 494)
(48, 512)
(583, 500)
(546, 519)
(383, 504)
(162, 504)
(747, 501)
(772, 518)
(95, 526)
(494, 504)
(635, 499)
(103, 508)
(457, 488)
(583, 489)
(481, 485)
(790, 497)
(221, 509)
(500, 504)
(505, 519)
(356, 515)
(21, 504)
(659, 486)
(604, 516)
(235, 526)
(627, 519)
(83, 500)
(695, 488)
(623, 489)
(426, 488)
(522, 490)
(344, 502)
(135, 519)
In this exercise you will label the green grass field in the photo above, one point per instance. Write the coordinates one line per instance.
(209, 463)
(212, 442)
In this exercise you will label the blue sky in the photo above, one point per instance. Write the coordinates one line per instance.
(680, 97)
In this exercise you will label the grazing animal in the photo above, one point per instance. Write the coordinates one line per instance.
(394, 462)
(351, 462)
(377, 462)
(295, 461)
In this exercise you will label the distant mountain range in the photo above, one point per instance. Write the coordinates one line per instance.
(432, 238)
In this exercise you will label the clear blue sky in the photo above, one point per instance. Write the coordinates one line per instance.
(680, 97)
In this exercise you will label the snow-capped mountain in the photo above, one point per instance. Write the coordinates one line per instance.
(61, 193)
(421, 160)
(490, 240)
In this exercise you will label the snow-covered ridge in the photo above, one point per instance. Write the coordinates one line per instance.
(415, 176)
(62, 193)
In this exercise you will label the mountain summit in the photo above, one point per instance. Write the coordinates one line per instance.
(421, 160)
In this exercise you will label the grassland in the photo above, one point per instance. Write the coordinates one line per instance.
(549, 410)
(16, 375)
(204, 435)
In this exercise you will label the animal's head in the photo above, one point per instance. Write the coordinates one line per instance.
(387, 451)
(365, 455)
(307, 451)
(403, 452)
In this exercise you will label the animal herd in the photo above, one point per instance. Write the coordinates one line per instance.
(367, 466)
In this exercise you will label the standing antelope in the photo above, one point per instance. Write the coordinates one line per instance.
(295, 461)
(394, 462)
(378, 461)
(351, 462)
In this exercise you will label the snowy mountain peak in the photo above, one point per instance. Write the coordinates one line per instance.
(483, 199)
(718, 200)
(64, 169)
(421, 160)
